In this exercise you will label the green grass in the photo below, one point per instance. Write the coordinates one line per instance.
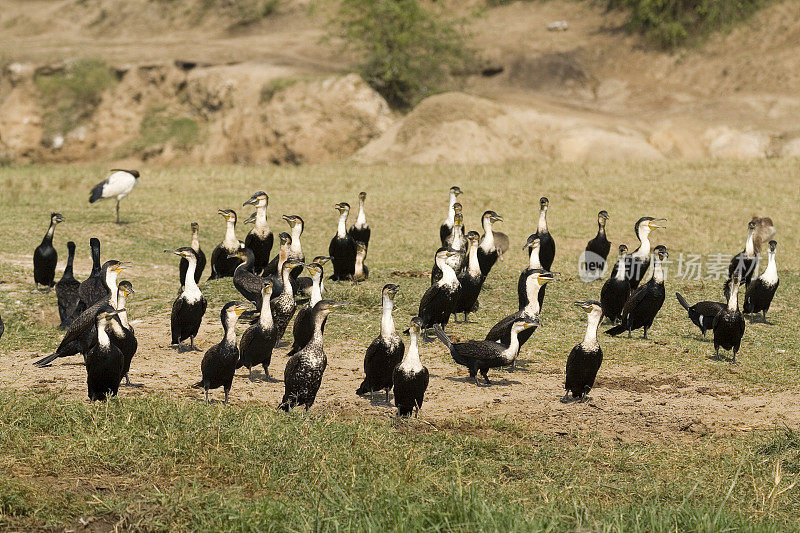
(159, 127)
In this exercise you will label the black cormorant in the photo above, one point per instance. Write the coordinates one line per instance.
(258, 340)
(645, 301)
(457, 243)
(361, 271)
(585, 358)
(222, 264)
(385, 352)
(759, 294)
(303, 328)
(480, 356)
(360, 231)
(122, 333)
(201, 257)
(447, 226)
(67, 290)
(303, 374)
(2, 327)
(45, 257)
(597, 249)
(547, 246)
(701, 314)
(219, 362)
(410, 377)
(274, 267)
(487, 250)
(283, 305)
(439, 300)
(616, 289)
(501, 332)
(637, 263)
(94, 288)
(118, 185)
(248, 284)
(260, 238)
(471, 279)
(104, 360)
(729, 323)
(190, 305)
(744, 264)
(342, 248)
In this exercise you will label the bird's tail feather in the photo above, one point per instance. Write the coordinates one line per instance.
(198, 385)
(437, 329)
(45, 361)
(682, 301)
(97, 194)
(616, 330)
(363, 388)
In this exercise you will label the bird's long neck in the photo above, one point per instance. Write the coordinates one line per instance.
(644, 247)
(296, 247)
(770, 274)
(283, 255)
(590, 338)
(488, 236)
(542, 226)
(448, 274)
(95, 260)
(513, 344)
(601, 226)
(458, 237)
(532, 289)
(231, 242)
(316, 290)
(387, 321)
(749, 245)
(287, 282)
(102, 336)
(196, 240)
(261, 225)
(411, 358)
(265, 319)
(620, 268)
(190, 285)
(473, 266)
(230, 330)
(359, 266)
(451, 211)
(658, 270)
(111, 284)
(48, 237)
(341, 230)
(319, 325)
(361, 219)
(123, 313)
(733, 300)
(70, 261)
(533, 260)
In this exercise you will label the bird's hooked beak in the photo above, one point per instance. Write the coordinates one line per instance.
(322, 261)
(496, 218)
(251, 219)
(239, 309)
(253, 200)
(652, 223)
(336, 305)
(532, 322)
(544, 277)
(128, 291)
(456, 190)
(289, 220)
(531, 243)
(239, 255)
(119, 268)
(586, 306)
(58, 218)
(362, 196)
(312, 268)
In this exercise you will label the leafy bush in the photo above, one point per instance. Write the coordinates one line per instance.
(406, 52)
(671, 23)
(159, 127)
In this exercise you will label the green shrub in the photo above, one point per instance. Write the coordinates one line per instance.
(672, 23)
(269, 89)
(406, 52)
(159, 127)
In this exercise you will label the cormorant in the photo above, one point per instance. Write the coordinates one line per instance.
(457, 230)
(470, 278)
(701, 314)
(303, 374)
(385, 352)
(585, 358)
(483, 355)
(729, 323)
(222, 264)
(342, 248)
(597, 249)
(644, 302)
(457, 243)
(274, 267)
(547, 246)
(94, 288)
(219, 362)
(533, 245)
(258, 340)
(190, 306)
(361, 271)
(410, 378)
(122, 333)
(487, 250)
(501, 332)
(283, 305)
(118, 185)
(296, 227)
(45, 257)
(439, 300)
(616, 289)
(305, 283)
(67, 290)
(447, 226)
(637, 263)
(248, 284)
(303, 328)
(759, 294)
(2, 327)
(104, 360)
(260, 238)
(360, 231)
(201, 257)
(744, 264)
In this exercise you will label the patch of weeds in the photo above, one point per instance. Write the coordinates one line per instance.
(159, 127)
(272, 87)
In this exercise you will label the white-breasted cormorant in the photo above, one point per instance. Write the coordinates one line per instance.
(246, 282)
(303, 328)
(104, 360)
(596, 253)
(645, 301)
(296, 227)
(342, 248)
(360, 231)
(201, 257)
(759, 294)
(439, 300)
(744, 264)
(585, 358)
(45, 257)
(616, 289)
(259, 340)
(447, 226)
(480, 356)
(260, 239)
(360, 270)
(303, 374)
(67, 290)
(222, 264)
(410, 377)
(122, 333)
(728, 325)
(117, 185)
(283, 305)
(305, 283)
(219, 362)
(547, 246)
(190, 305)
(487, 250)
(386, 351)
(457, 242)
(534, 283)
(471, 279)
(637, 263)
(701, 314)
(533, 245)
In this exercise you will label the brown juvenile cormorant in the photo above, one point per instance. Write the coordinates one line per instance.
(248, 284)
(190, 305)
(597, 249)
(360, 231)
(342, 248)
(410, 378)
(304, 370)
(260, 238)
(118, 185)
(361, 271)
(759, 294)
(729, 323)
(457, 243)
(744, 264)
(480, 356)
(616, 289)
(471, 279)
(585, 358)
(439, 300)
(122, 333)
(67, 290)
(487, 250)
(547, 246)
(45, 257)
(644, 302)
(219, 362)
(274, 267)
(258, 340)
(222, 264)
(637, 263)
(104, 360)
(303, 328)
(447, 226)
(501, 332)
(385, 352)
(533, 245)
(283, 305)
(201, 257)
(701, 314)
